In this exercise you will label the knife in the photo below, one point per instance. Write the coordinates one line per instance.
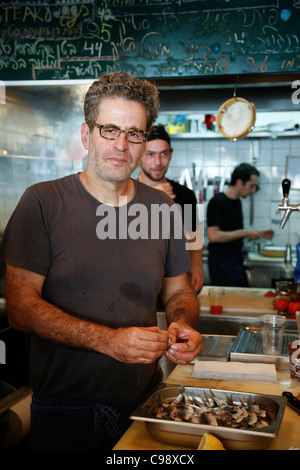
(292, 401)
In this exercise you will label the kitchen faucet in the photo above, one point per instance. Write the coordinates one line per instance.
(285, 205)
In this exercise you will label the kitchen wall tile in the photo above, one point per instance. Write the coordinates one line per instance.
(262, 210)
(265, 157)
(193, 145)
(223, 155)
(283, 143)
(264, 174)
(180, 158)
(278, 173)
(243, 146)
(295, 147)
(180, 152)
(265, 144)
(279, 156)
(276, 192)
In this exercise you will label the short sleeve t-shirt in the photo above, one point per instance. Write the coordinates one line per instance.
(226, 214)
(186, 199)
(96, 266)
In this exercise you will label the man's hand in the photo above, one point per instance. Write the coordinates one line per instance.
(268, 234)
(196, 278)
(139, 344)
(167, 188)
(256, 234)
(27, 311)
(185, 343)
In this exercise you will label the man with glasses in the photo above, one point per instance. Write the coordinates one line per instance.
(86, 291)
(154, 164)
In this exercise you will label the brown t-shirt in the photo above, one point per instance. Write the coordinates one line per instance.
(96, 270)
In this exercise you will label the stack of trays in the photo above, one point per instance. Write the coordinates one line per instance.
(247, 347)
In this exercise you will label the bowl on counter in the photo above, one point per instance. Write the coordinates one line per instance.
(274, 251)
(189, 434)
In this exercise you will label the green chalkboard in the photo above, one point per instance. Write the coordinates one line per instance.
(48, 40)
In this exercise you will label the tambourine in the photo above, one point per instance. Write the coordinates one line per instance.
(236, 118)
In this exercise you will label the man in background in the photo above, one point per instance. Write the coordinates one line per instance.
(225, 229)
(154, 164)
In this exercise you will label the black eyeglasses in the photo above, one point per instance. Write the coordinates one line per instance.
(112, 133)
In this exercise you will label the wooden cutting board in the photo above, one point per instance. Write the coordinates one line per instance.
(240, 300)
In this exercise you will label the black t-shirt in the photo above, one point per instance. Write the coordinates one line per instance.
(226, 214)
(185, 196)
(54, 232)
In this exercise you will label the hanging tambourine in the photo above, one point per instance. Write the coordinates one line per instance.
(236, 118)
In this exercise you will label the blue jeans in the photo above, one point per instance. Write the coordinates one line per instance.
(70, 425)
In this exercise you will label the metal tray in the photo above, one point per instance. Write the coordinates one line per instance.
(216, 347)
(189, 434)
(248, 348)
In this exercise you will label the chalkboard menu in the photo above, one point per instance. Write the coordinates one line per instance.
(50, 40)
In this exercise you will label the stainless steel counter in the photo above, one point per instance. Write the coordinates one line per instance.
(263, 271)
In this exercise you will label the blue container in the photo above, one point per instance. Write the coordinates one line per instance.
(297, 268)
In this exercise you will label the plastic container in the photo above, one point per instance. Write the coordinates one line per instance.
(216, 296)
(297, 268)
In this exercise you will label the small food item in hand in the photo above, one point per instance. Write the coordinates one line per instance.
(293, 307)
(281, 304)
(210, 442)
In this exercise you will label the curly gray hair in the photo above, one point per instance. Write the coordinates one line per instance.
(121, 85)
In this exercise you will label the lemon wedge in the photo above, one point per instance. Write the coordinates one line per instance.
(210, 442)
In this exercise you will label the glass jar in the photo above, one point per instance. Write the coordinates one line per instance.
(284, 289)
(284, 292)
